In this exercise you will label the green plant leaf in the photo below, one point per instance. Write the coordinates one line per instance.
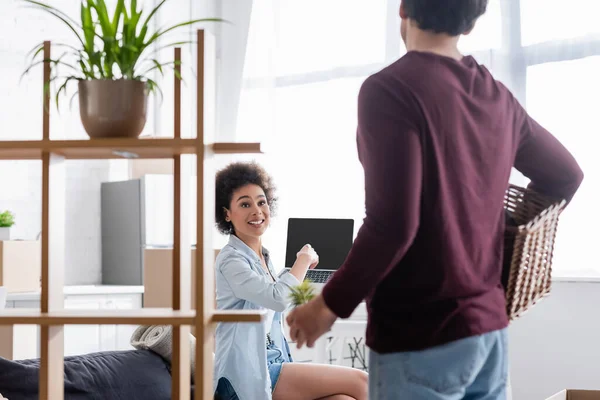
(154, 88)
(302, 293)
(7, 219)
(51, 61)
(173, 44)
(158, 34)
(158, 66)
(88, 71)
(103, 18)
(148, 19)
(38, 4)
(37, 49)
(63, 88)
(112, 44)
(88, 27)
(58, 14)
(117, 15)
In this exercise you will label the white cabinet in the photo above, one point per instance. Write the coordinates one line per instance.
(79, 339)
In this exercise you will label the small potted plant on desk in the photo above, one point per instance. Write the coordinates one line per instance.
(302, 293)
(7, 219)
(112, 59)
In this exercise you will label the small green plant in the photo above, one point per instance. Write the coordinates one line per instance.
(109, 45)
(302, 293)
(7, 219)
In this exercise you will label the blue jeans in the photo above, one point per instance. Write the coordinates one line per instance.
(274, 364)
(474, 368)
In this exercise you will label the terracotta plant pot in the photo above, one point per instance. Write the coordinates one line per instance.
(113, 108)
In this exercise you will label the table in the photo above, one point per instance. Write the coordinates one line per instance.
(341, 329)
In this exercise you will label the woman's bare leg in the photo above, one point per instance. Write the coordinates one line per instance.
(299, 381)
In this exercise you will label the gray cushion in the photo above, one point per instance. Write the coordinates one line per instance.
(131, 375)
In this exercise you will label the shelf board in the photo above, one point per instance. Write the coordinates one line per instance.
(90, 149)
(142, 316)
(237, 148)
(97, 148)
(239, 316)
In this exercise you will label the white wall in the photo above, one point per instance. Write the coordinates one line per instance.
(21, 119)
(556, 345)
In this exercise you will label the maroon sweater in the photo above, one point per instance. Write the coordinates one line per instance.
(437, 139)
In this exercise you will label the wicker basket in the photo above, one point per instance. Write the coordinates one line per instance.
(531, 223)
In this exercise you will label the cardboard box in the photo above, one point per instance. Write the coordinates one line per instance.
(577, 395)
(20, 265)
(158, 278)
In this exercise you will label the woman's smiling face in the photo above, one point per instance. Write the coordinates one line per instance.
(249, 212)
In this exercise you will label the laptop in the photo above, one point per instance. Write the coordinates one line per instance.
(331, 239)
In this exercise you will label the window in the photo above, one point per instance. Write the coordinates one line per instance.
(305, 62)
(564, 97)
(549, 20)
(317, 169)
(487, 34)
(561, 49)
(317, 35)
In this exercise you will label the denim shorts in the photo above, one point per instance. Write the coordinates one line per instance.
(274, 363)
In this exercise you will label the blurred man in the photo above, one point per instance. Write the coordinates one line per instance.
(437, 138)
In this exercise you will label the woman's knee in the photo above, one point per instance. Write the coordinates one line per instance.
(363, 376)
(360, 381)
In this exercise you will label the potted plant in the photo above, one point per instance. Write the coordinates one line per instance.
(112, 61)
(302, 293)
(7, 219)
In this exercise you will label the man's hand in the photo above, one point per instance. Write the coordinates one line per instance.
(310, 321)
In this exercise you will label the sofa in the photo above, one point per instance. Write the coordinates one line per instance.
(127, 375)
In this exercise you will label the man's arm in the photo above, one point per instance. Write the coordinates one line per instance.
(390, 151)
(546, 162)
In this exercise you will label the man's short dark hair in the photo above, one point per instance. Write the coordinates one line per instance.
(453, 17)
(233, 177)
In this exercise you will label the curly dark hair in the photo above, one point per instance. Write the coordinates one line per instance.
(453, 17)
(233, 177)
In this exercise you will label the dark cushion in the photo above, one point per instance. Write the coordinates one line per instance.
(130, 374)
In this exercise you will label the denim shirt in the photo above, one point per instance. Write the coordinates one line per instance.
(243, 284)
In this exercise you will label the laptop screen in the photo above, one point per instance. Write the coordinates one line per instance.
(331, 239)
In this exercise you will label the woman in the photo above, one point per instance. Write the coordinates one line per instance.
(253, 361)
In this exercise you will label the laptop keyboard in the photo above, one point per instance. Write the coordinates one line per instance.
(318, 276)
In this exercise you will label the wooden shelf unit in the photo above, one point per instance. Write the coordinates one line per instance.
(145, 316)
(152, 148)
(238, 316)
(52, 316)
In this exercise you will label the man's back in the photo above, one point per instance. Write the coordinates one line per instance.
(450, 276)
(437, 138)
(471, 132)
